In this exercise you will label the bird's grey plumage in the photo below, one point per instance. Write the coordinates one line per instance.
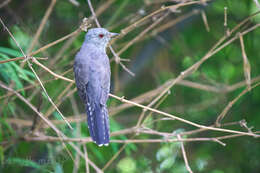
(92, 76)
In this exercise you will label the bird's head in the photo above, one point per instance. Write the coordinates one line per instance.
(99, 36)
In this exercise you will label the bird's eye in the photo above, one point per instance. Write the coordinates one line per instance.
(100, 35)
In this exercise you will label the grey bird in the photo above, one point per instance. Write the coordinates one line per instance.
(92, 76)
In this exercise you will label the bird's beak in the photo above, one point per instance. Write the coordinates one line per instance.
(112, 35)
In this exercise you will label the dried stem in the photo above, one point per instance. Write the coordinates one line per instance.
(50, 100)
(247, 68)
(184, 155)
(40, 28)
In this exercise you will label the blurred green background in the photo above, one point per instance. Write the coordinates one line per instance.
(156, 57)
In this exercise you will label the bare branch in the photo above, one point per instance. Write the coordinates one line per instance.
(35, 74)
(231, 103)
(110, 47)
(40, 28)
(205, 21)
(3, 4)
(247, 68)
(257, 4)
(184, 156)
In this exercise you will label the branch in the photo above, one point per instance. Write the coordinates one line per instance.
(184, 156)
(257, 4)
(231, 103)
(247, 68)
(40, 29)
(110, 47)
(29, 64)
(181, 119)
(3, 4)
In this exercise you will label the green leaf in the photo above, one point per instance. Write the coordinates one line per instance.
(23, 163)
(217, 171)
(163, 153)
(7, 127)
(127, 165)
(58, 168)
(21, 37)
(228, 71)
(201, 164)
(11, 52)
(187, 62)
(149, 122)
(11, 71)
(167, 163)
(1, 155)
(180, 168)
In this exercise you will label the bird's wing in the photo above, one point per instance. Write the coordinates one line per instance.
(81, 78)
(105, 81)
(99, 80)
(97, 94)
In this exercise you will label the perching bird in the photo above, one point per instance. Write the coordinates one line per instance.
(92, 76)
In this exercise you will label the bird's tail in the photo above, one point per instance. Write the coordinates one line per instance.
(98, 124)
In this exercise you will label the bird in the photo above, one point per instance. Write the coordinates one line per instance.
(92, 77)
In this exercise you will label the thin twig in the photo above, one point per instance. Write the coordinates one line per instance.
(257, 4)
(93, 13)
(174, 117)
(129, 28)
(181, 119)
(247, 68)
(195, 66)
(49, 98)
(11, 35)
(55, 42)
(74, 2)
(97, 169)
(31, 106)
(20, 58)
(6, 2)
(142, 33)
(40, 28)
(43, 88)
(59, 133)
(110, 47)
(58, 102)
(127, 141)
(86, 158)
(51, 72)
(225, 17)
(231, 103)
(184, 156)
(114, 157)
(205, 21)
